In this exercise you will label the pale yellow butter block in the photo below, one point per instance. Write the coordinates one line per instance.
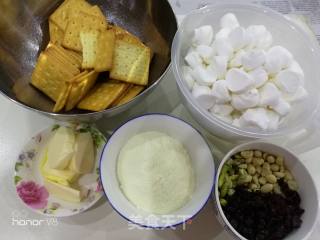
(83, 158)
(65, 177)
(61, 148)
(64, 192)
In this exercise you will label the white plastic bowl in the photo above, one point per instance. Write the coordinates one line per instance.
(198, 150)
(307, 189)
(285, 33)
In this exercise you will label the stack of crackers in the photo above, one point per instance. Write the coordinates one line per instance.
(82, 45)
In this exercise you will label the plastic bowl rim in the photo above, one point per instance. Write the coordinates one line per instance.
(182, 86)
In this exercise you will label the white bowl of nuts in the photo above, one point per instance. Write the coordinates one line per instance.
(263, 191)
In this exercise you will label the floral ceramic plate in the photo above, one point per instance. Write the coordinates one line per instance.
(29, 182)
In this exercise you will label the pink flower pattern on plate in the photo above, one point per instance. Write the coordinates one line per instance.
(99, 186)
(33, 195)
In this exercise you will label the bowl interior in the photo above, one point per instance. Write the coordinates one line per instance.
(307, 188)
(194, 143)
(24, 34)
(284, 33)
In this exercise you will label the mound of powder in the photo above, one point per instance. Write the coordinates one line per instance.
(155, 173)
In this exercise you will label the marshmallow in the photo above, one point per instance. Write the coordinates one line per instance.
(220, 91)
(236, 122)
(195, 85)
(285, 55)
(272, 65)
(229, 20)
(255, 117)
(205, 52)
(278, 58)
(203, 35)
(295, 67)
(204, 75)
(236, 61)
(221, 64)
(245, 100)
(288, 81)
(227, 118)
(266, 42)
(238, 81)
(187, 76)
(269, 95)
(237, 38)
(260, 82)
(260, 77)
(223, 33)
(253, 59)
(274, 119)
(282, 108)
(222, 47)
(193, 59)
(258, 37)
(203, 96)
(299, 95)
(222, 109)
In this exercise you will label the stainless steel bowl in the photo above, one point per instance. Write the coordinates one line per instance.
(24, 34)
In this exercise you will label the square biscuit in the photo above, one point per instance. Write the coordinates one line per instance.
(56, 33)
(67, 10)
(131, 62)
(80, 88)
(102, 96)
(105, 51)
(81, 23)
(49, 77)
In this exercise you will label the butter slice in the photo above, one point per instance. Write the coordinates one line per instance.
(61, 148)
(64, 177)
(83, 159)
(64, 192)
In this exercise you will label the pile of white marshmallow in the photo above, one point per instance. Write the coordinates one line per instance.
(238, 75)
